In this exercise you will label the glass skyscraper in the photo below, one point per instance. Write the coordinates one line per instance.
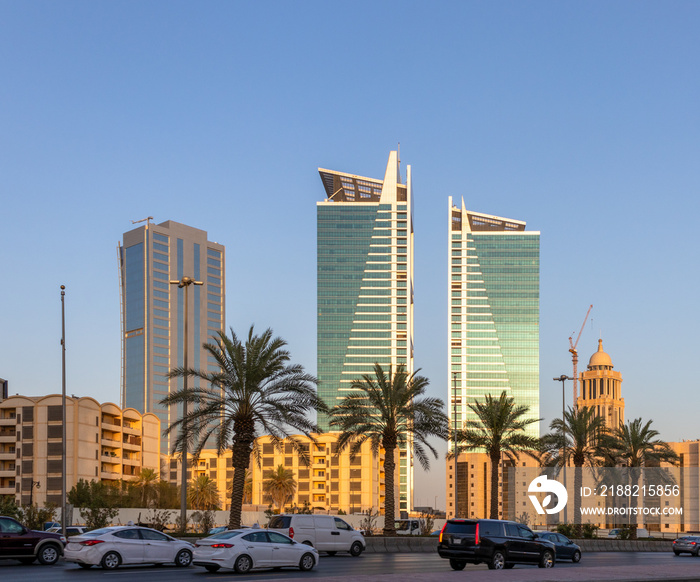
(494, 309)
(365, 286)
(152, 311)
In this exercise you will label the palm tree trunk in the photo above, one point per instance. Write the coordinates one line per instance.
(495, 457)
(389, 476)
(578, 482)
(241, 450)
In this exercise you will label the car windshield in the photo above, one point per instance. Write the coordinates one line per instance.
(460, 527)
(225, 535)
(280, 522)
(402, 525)
(99, 532)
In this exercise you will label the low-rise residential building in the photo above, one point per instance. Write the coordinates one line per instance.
(329, 483)
(103, 442)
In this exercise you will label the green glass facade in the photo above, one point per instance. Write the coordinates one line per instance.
(365, 287)
(494, 312)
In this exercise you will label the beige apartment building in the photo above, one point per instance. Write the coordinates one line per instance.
(329, 484)
(103, 442)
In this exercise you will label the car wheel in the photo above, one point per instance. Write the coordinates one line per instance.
(308, 543)
(457, 564)
(576, 558)
(111, 560)
(212, 568)
(307, 562)
(331, 553)
(85, 566)
(497, 562)
(243, 564)
(49, 554)
(356, 549)
(183, 558)
(547, 560)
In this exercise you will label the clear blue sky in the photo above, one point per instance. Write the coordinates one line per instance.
(580, 118)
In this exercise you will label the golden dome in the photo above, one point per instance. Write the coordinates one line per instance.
(600, 358)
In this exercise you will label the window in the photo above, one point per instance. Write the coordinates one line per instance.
(127, 534)
(148, 534)
(259, 537)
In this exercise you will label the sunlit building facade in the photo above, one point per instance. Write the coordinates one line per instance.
(494, 308)
(365, 286)
(152, 311)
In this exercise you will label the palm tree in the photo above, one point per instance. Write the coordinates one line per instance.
(582, 430)
(247, 488)
(636, 445)
(255, 392)
(390, 411)
(280, 485)
(202, 493)
(148, 483)
(500, 429)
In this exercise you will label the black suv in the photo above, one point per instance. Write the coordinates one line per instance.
(498, 543)
(20, 543)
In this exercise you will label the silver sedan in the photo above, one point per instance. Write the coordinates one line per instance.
(243, 550)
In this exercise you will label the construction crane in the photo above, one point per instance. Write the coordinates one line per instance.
(574, 354)
(146, 220)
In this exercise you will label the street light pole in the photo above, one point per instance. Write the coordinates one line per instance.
(184, 282)
(63, 410)
(563, 378)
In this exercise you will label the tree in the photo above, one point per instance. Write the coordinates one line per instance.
(280, 485)
(635, 445)
(148, 484)
(389, 410)
(582, 430)
(96, 501)
(500, 429)
(202, 493)
(255, 392)
(9, 507)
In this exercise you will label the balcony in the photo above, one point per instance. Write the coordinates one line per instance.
(131, 429)
(133, 462)
(111, 443)
(7, 473)
(132, 446)
(111, 427)
(113, 459)
(8, 421)
(109, 475)
(7, 436)
(6, 456)
(7, 491)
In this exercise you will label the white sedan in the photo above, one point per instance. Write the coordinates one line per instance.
(243, 550)
(111, 547)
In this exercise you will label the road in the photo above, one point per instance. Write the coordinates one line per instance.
(403, 567)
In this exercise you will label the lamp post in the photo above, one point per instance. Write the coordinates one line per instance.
(563, 378)
(31, 493)
(63, 410)
(184, 282)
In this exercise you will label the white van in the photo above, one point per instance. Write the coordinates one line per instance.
(326, 533)
(409, 527)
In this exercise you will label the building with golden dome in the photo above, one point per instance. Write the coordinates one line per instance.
(601, 389)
